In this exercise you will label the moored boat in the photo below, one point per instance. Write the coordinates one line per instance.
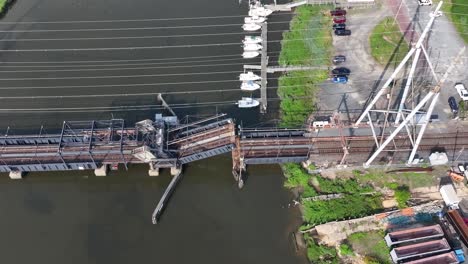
(247, 102)
(254, 19)
(260, 11)
(252, 47)
(250, 86)
(251, 27)
(249, 76)
(250, 54)
(252, 40)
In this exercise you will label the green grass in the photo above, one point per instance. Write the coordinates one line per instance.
(402, 195)
(297, 177)
(348, 186)
(412, 180)
(387, 43)
(456, 11)
(346, 250)
(2, 4)
(350, 206)
(319, 254)
(371, 245)
(309, 42)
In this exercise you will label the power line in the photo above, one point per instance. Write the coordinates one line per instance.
(152, 47)
(135, 60)
(174, 36)
(130, 20)
(114, 76)
(172, 19)
(126, 29)
(178, 92)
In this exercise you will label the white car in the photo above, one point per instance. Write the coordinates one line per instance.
(461, 90)
(424, 2)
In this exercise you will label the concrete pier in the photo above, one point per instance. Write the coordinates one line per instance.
(101, 171)
(153, 171)
(16, 175)
(176, 171)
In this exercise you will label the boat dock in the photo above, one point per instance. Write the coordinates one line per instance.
(285, 7)
(273, 69)
(263, 68)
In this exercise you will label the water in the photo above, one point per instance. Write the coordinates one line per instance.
(78, 218)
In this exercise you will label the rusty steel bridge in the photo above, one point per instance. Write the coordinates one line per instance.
(166, 143)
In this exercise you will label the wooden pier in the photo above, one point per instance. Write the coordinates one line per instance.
(273, 69)
(167, 194)
(263, 68)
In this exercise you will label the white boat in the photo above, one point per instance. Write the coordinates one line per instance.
(252, 40)
(254, 19)
(250, 54)
(252, 47)
(250, 86)
(247, 102)
(249, 76)
(260, 11)
(251, 27)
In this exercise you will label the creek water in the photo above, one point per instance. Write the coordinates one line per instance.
(74, 217)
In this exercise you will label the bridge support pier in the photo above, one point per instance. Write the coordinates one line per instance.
(176, 170)
(101, 171)
(152, 170)
(16, 175)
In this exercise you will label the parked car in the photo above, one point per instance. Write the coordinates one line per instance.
(340, 79)
(341, 71)
(339, 19)
(339, 59)
(342, 32)
(339, 26)
(338, 12)
(461, 90)
(453, 104)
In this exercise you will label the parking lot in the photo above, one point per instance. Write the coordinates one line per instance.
(367, 76)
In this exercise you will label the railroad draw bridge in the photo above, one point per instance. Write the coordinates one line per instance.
(166, 143)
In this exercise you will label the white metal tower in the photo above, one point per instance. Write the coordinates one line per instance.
(404, 117)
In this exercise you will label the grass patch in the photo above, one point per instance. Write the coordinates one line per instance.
(410, 179)
(456, 11)
(309, 42)
(319, 253)
(371, 245)
(346, 250)
(402, 195)
(387, 43)
(3, 4)
(350, 206)
(348, 186)
(297, 177)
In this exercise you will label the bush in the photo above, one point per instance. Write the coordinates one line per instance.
(371, 245)
(297, 177)
(350, 206)
(342, 186)
(346, 250)
(321, 254)
(402, 195)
